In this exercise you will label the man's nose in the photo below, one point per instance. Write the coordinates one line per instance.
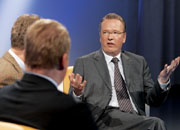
(110, 36)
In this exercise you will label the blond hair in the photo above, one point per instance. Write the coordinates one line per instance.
(113, 16)
(46, 41)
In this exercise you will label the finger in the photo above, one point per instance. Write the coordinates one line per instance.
(73, 80)
(71, 77)
(172, 67)
(174, 64)
(177, 60)
(79, 78)
(165, 68)
(83, 84)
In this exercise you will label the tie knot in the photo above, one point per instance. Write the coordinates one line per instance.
(115, 60)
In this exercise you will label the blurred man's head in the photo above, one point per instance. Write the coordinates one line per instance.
(19, 29)
(47, 45)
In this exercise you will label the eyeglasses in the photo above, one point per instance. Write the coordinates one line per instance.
(114, 33)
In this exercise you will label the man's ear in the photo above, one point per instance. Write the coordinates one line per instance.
(63, 62)
(124, 37)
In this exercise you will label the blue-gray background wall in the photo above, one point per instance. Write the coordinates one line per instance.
(153, 28)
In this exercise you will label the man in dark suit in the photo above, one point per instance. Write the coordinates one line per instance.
(97, 75)
(35, 100)
(12, 62)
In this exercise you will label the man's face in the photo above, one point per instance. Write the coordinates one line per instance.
(112, 36)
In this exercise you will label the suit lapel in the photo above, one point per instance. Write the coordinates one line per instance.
(126, 63)
(102, 68)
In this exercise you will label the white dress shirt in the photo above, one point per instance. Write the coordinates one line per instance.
(110, 65)
(18, 60)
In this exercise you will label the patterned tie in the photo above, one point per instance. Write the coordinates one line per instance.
(121, 91)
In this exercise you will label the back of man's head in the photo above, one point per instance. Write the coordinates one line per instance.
(19, 29)
(46, 41)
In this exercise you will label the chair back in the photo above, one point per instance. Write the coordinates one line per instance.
(66, 82)
(13, 126)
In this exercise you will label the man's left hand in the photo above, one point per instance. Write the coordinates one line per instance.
(168, 69)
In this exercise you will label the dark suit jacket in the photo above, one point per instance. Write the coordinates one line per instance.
(36, 102)
(98, 90)
(10, 71)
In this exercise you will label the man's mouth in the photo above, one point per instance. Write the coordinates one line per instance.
(110, 43)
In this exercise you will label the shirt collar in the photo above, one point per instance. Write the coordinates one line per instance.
(108, 58)
(18, 60)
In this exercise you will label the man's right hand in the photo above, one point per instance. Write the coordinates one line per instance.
(77, 83)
